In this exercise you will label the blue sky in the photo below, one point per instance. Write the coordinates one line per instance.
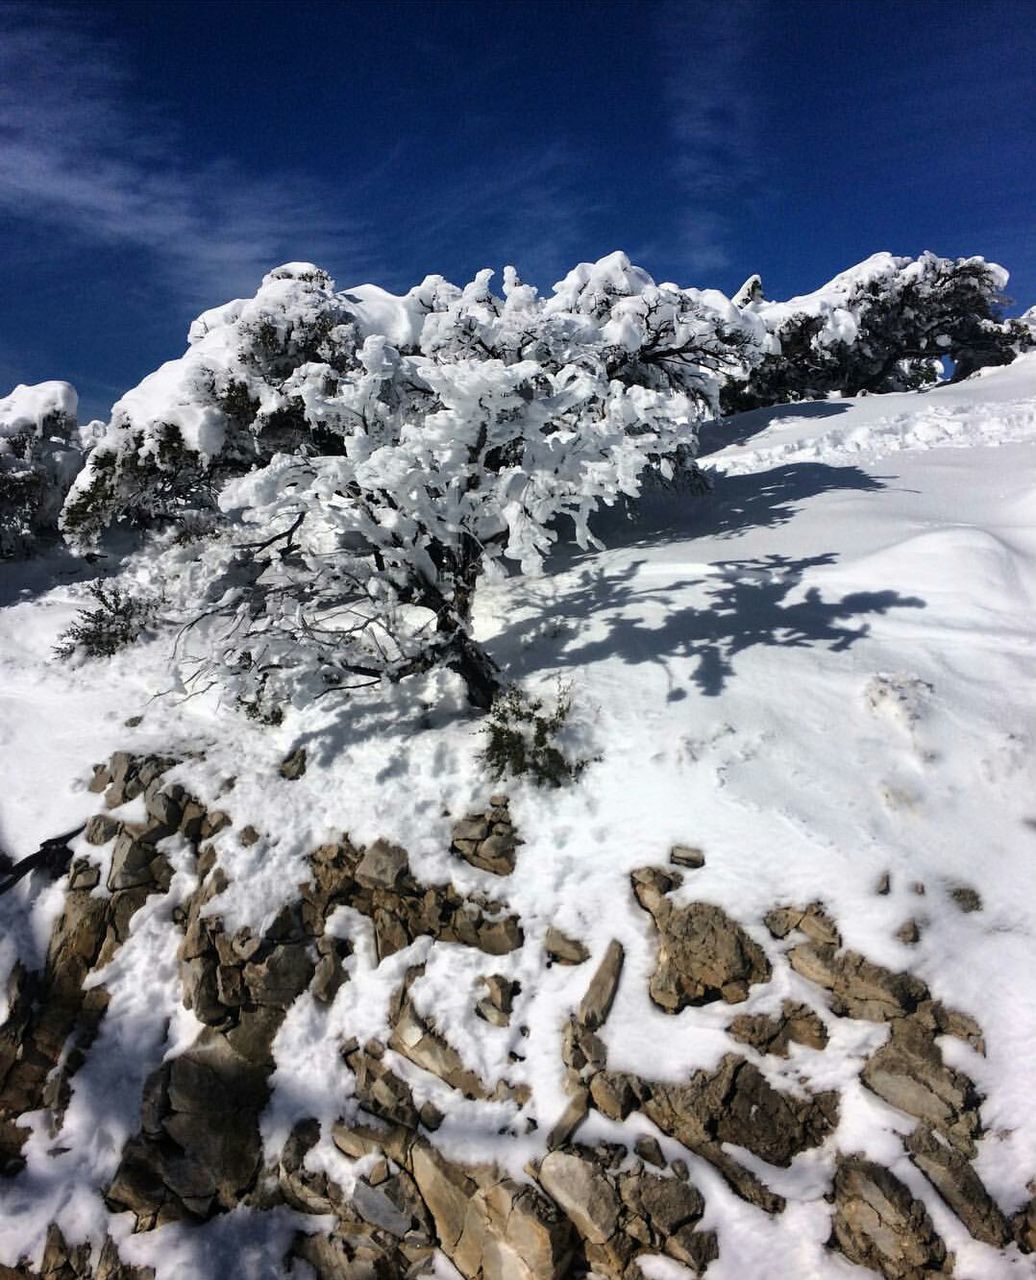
(158, 158)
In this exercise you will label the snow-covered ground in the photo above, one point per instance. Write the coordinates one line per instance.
(821, 673)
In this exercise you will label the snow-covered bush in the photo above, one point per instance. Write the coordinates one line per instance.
(883, 325)
(39, 456)
(364, 459)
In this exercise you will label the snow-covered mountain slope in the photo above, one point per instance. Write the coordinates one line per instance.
(821, 676)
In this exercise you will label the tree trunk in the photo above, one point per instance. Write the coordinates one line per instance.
(476, 669)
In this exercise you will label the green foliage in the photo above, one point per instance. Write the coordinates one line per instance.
(118, 620)
(522, 739)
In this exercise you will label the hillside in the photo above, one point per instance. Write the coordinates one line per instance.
(816, 682)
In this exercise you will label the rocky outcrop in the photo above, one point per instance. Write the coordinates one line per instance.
(877, 1223)
(62, 1261)
(703, 955)
(959, 1185)
(733, 1104)
(378, 883)
(773, 1033)
(621, 1212)
(586, 1208)
(908, 1072)
(53, 1019)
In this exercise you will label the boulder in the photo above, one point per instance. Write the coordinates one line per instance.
(703, 955)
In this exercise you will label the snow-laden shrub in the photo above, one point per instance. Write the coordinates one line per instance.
(524, 739)
(365, 459)
(117, 619)
(883, 325)
(39, 456)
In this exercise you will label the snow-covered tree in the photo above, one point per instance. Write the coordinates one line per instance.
(883, 325)
(356, 461)
(39, 456)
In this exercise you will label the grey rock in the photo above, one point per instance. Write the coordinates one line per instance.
(597, 1002)
(282, 976)
(859, 988)
(966, 898)
(586, 1196)
(382, 866)
(374, 1206)
(565, 950)
(293, 766)
(685, 855)
(649, 1151)
(569, 1121)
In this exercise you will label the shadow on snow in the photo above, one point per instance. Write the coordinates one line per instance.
(744, 604)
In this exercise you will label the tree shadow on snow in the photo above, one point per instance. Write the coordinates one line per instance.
(744, 604)
(718, 434)
(760, 500)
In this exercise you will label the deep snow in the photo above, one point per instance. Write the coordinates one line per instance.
(818, 674)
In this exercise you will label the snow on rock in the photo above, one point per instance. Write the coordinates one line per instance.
(819, 677)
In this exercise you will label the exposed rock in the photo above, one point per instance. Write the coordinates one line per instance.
(1023, 1225)
(703, 955)
(959, 1185)
(207, 1101)
(564, 950)
(293, 766)
(382, 866)
(597, 1002)
(859, 988)
(497, 1005)
(877, 1223)
(583, 1192)
(64, 1261)
(622, 1214)
(407, 910)
(487, 840)
(414, 1039)
(934, 1015)
(685, 855)
(570, 1119)
(966, 898)
(772, 1033)
(735, 1104)
(490, 1226)
(908, 1072)
(909, 933)
(101, 828)
(52, 1019)
(649, 1151)
(812, 920)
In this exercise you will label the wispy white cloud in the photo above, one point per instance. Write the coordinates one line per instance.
(710, 49)
(80, 153)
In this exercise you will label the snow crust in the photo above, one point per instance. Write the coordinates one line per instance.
(821, 673)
